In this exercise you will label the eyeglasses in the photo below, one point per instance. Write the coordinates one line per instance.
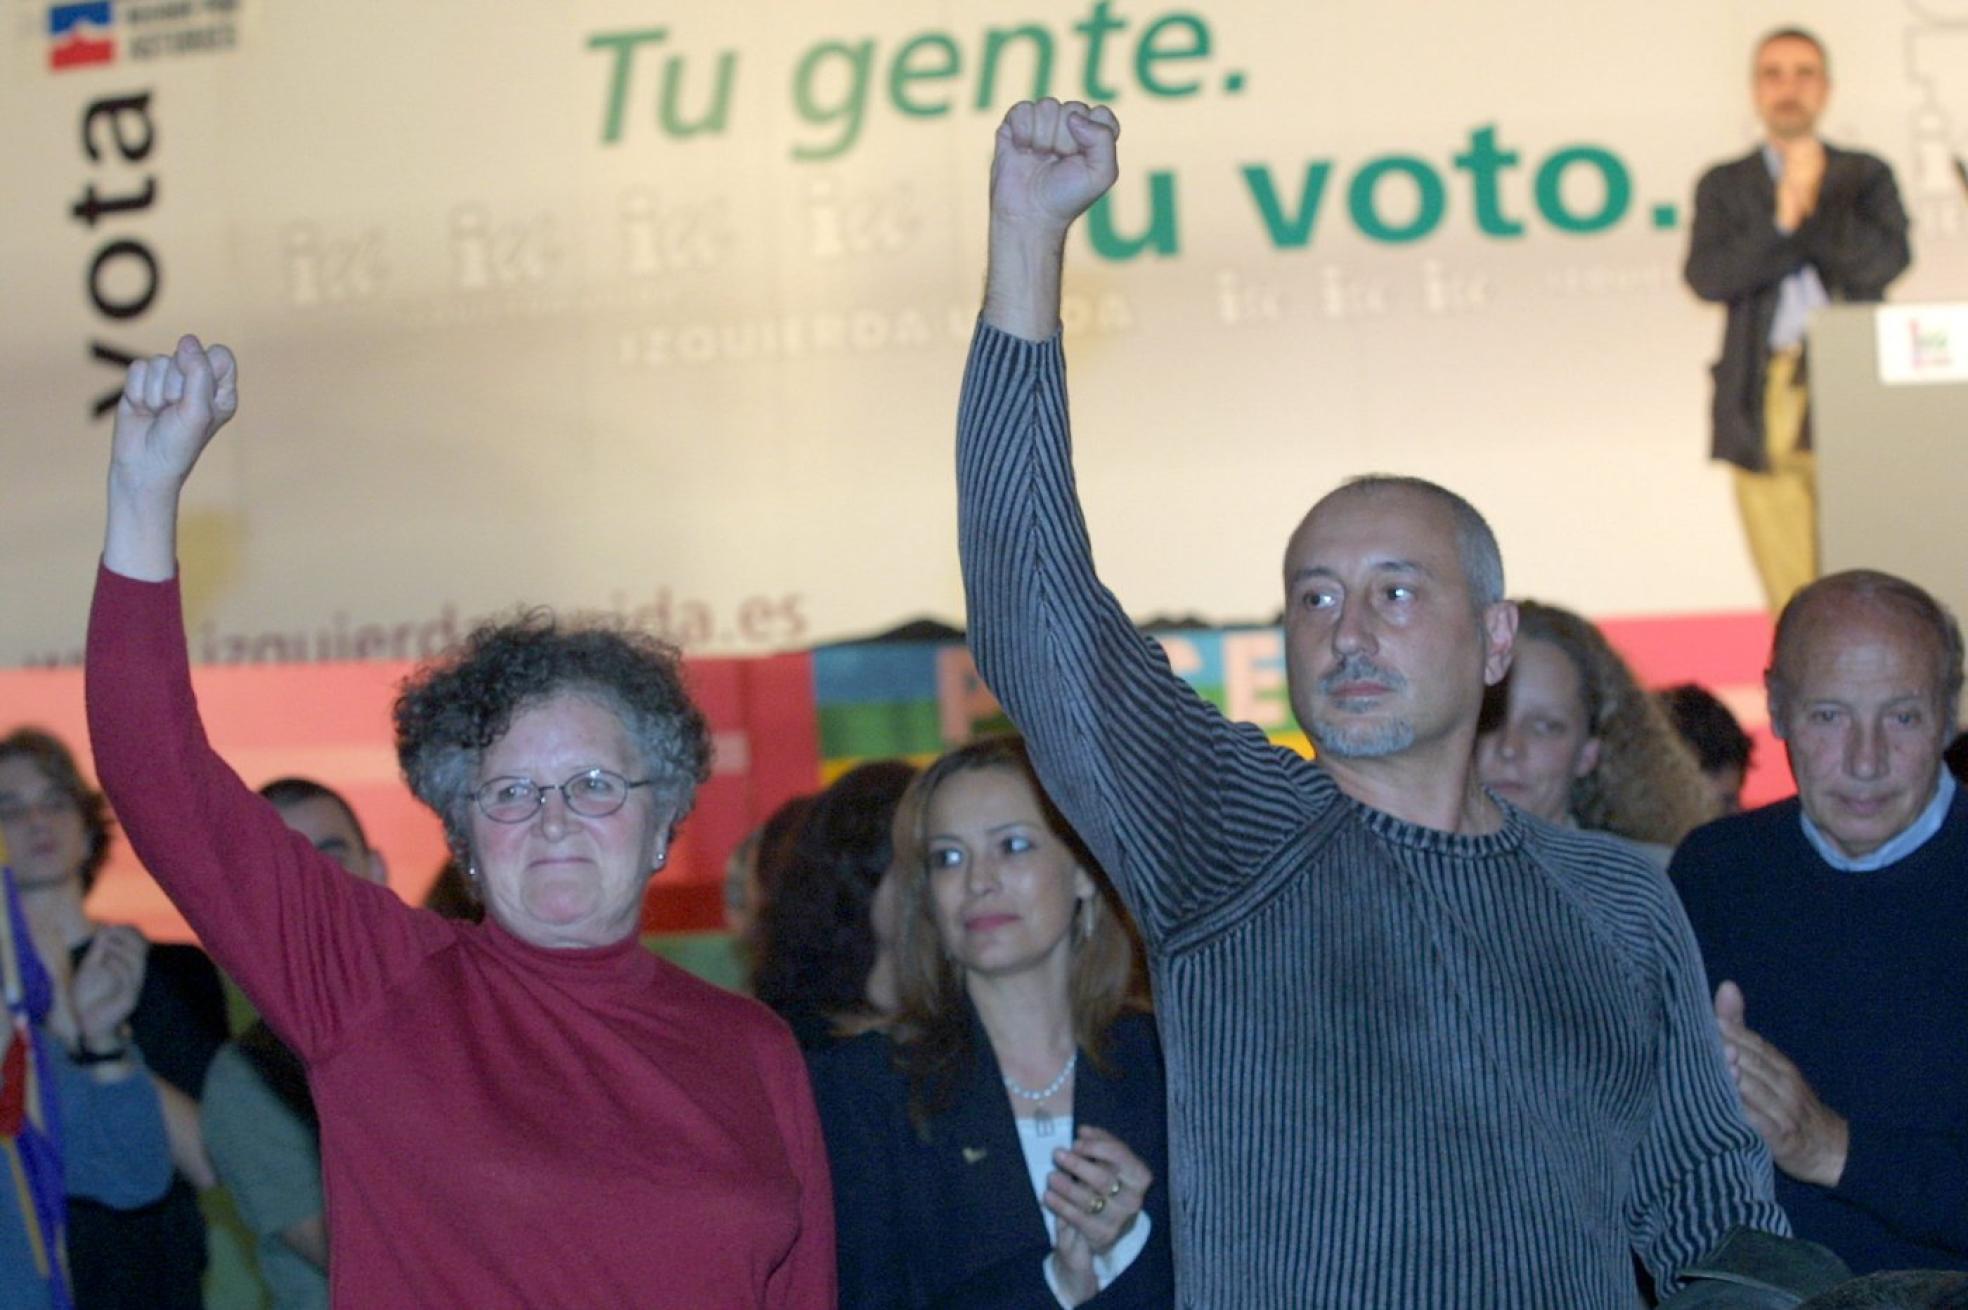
(52, 805)
(595, 794)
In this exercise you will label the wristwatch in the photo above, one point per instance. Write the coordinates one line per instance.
(84, 1057)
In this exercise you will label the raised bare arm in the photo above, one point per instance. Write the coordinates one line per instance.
(1052, 162)
(171, 406)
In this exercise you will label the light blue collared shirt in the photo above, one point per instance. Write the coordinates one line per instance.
(1801, 293)
(1910, 839)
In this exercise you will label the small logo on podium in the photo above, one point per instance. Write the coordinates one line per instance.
(1922, 343)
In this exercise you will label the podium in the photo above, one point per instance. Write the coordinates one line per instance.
(1889, 406)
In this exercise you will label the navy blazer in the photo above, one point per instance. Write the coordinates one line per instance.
(951, 1221)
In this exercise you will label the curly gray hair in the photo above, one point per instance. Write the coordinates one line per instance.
(452, 710)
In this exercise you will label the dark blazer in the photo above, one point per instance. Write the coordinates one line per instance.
(951, 1222)
(1856, 238)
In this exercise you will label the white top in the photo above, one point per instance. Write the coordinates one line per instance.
(1038, 1148)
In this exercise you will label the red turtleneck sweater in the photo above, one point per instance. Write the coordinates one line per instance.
(501, 1125)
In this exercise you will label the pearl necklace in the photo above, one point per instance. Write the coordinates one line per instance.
(1042, 1120)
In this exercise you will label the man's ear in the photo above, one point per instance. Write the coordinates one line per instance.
(1499, 622)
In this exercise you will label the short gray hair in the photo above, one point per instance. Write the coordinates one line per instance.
(1482, 560)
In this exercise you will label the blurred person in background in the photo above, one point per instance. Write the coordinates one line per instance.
(1721, 746)
(58, 830)
(78, 1118)
(753, 868)
(260, 1123)
(1572, 739)
(820, 959)
(1778, 234)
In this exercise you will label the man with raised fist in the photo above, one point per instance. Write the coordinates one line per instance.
(1422, 1049)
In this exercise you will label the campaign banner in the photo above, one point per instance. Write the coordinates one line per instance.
(660, 310)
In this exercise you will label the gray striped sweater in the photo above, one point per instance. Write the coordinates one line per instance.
(1406, 1068)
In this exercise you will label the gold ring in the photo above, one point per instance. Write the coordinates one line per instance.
(1114, 1188)
(1096, 1205)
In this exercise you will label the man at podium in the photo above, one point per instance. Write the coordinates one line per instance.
(1793, 225)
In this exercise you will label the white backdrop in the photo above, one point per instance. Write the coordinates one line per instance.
(506, 335)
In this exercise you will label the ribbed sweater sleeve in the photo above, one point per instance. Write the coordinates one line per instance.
(1146, 767)
(313, 947)
(1700, 1169)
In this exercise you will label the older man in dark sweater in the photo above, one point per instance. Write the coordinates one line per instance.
(1422, 1050)
(1835, 924)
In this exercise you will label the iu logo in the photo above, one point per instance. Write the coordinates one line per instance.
(1930, 344)
(78, 35)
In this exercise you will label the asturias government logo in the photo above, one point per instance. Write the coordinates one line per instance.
(79, 35)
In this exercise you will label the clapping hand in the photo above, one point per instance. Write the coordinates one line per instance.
(1096, 1193)
(1807, 1138)
(1803, 177)
(105, 987)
